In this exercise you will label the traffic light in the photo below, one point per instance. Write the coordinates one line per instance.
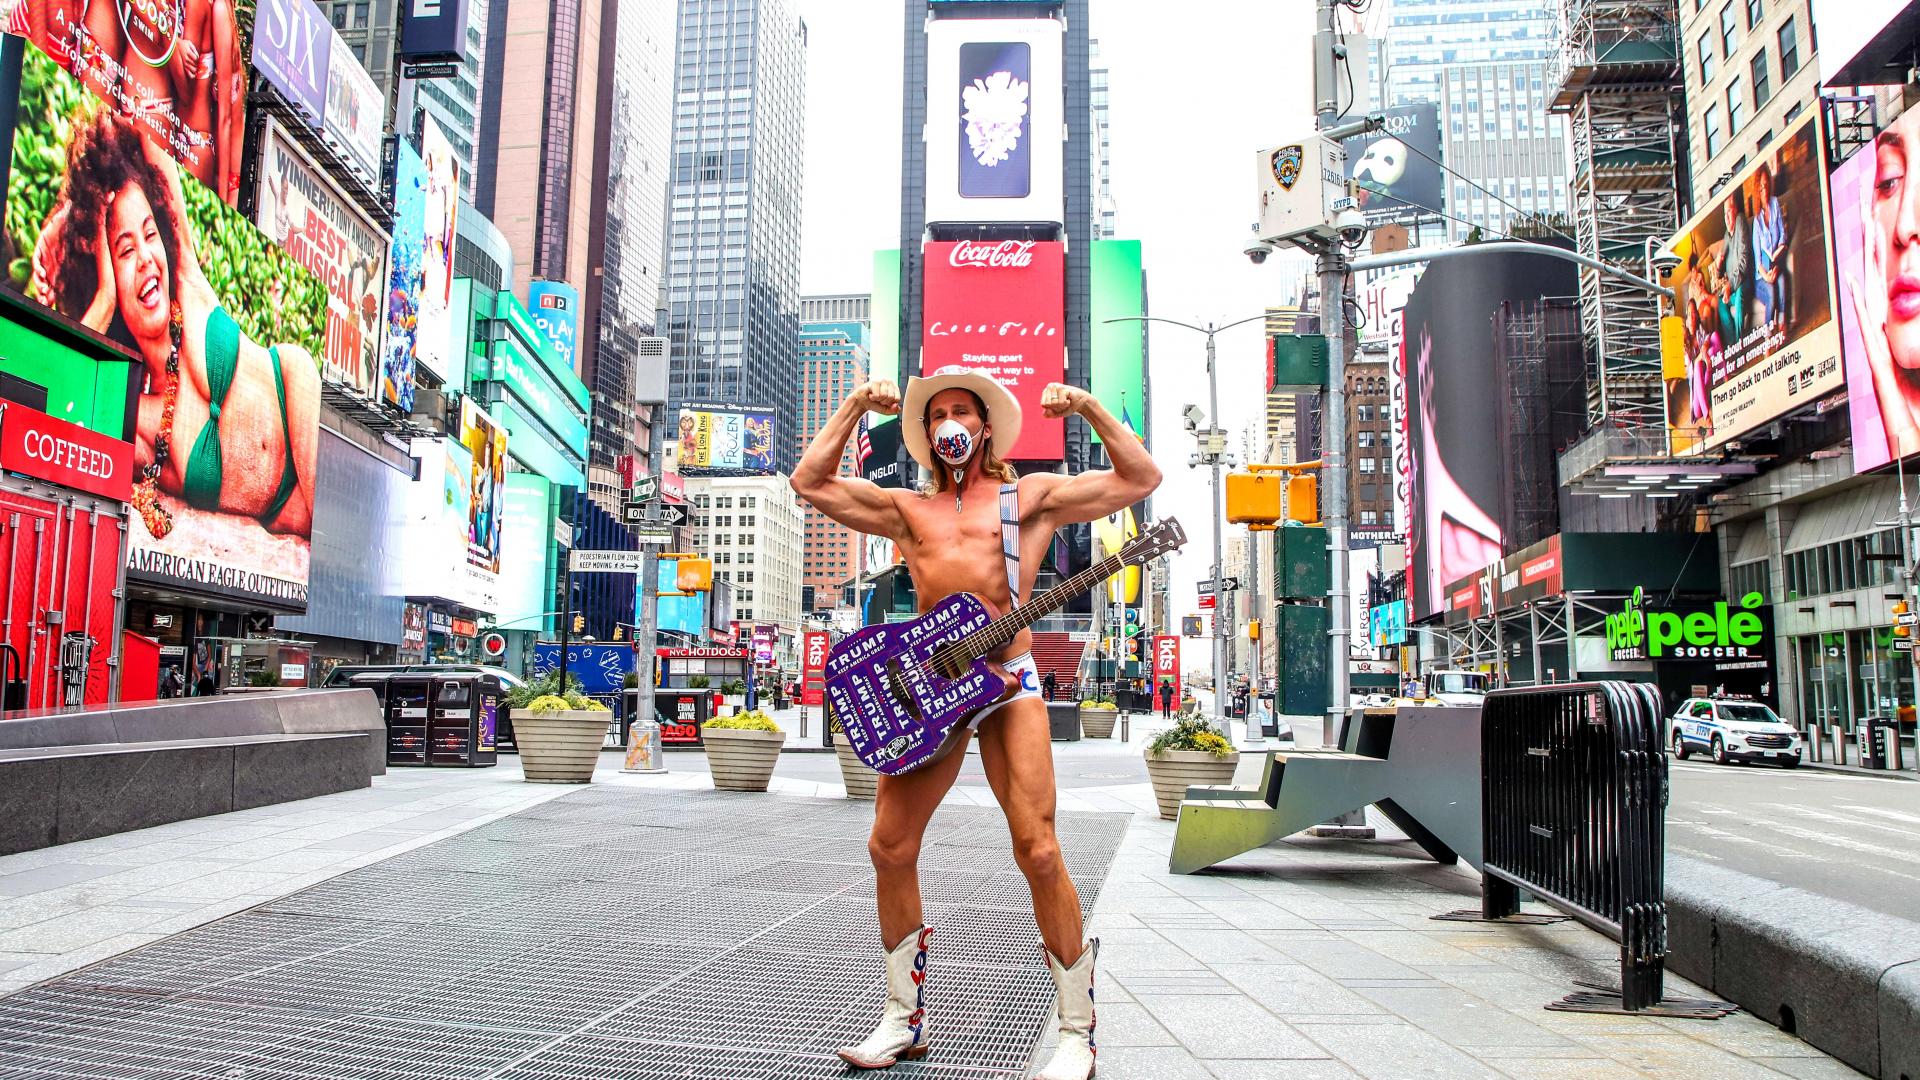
(693, 575)
(579, 624)
(1253, 629)
(1303, 498)
(1900, 625)
(619, 632)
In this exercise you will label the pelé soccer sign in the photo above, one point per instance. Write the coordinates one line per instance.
(1689, 631)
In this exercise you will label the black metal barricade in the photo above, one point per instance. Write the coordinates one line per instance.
(1574, 799)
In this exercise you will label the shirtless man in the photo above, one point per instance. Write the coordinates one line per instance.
(958, 424)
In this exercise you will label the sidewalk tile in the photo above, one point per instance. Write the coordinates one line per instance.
(1820, 1068)
(1334, 957)
(1228, 1027)
(1290, 989)
(1127, 1023)
(1460, 1020)
(1151, 1063)
(1395, 1051)
(1673, 1054)
(1214, 947)
(1300, 1069)
(1566, 1069)
(40, 879)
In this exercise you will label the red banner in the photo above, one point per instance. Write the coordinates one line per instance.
(37, 445)
(1000, 306)
(813, 668)
(1166, 665)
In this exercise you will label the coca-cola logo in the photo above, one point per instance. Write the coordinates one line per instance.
(1006, 254)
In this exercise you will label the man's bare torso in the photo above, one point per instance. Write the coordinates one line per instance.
(950, 551)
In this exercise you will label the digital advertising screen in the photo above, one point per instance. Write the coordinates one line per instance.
(292, 48)
(1119, 348)
(1000, 307)
(440, 204)
(996, 120)
(403, 278)
(726, 439)
(1879, 305)
(486, 445)
(1755, 299)
(300, 209)
(1396, 169)
(177, 71)
(111, 237)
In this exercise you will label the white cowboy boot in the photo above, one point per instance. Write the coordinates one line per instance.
(903, 1031)
(1073, 1057)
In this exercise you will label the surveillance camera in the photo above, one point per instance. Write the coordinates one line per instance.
(1351, 224)
(1258, 251)
(1194, 415)
(1193, 460)
(1664, 261)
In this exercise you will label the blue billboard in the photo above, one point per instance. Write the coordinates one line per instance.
(555, 307)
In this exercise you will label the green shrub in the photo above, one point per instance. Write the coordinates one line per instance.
(547, 685)
(548, 703)
(1098, 703)
(1191, 733)
(263, 677)
(697, 682)
(733, 687)
(744, 721)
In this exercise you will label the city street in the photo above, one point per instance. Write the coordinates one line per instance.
(1837, 834)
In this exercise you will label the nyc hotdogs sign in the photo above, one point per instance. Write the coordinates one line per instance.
(1720, 631)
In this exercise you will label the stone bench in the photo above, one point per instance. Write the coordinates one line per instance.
(84, 773)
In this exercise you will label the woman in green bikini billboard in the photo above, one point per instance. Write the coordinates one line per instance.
(228, 415)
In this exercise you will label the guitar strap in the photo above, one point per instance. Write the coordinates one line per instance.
(1010, 539)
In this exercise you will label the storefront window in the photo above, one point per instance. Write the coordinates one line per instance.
(1823, 679)
(1883, 679)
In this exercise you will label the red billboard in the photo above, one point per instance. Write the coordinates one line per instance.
(1166, 665)
(1000, 306)
(813, 668)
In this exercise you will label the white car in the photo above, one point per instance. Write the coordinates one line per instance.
(1733, 731)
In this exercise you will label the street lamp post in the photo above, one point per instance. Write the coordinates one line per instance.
(1213, 452)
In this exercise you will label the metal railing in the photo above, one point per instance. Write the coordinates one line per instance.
(1574, 797)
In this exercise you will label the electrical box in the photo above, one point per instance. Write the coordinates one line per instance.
(1301, 185)
(1297, 364)
(1304, 569)
(1302, 685)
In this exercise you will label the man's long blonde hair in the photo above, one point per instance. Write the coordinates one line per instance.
(990, 463)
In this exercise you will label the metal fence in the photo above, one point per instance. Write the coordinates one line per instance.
(1574, 798)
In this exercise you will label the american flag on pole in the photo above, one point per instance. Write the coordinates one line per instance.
(862, 446)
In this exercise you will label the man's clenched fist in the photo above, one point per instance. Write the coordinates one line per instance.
(1059, 400)
(880, 395)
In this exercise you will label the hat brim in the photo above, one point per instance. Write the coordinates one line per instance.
(1003, 412)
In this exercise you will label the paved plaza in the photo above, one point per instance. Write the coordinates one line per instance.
(1311, 958)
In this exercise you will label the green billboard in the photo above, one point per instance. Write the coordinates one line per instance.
(883, 352)
(1119, 348)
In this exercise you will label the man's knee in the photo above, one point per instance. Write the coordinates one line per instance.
(1038, 854)
(891, 853)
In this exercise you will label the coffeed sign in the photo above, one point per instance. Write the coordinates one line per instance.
(1698, 631)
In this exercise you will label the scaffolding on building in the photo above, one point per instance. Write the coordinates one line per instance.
(1615, 76)
(1540, 369)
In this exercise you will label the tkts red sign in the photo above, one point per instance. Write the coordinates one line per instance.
(813, 667)
(1166, 664)
(1000, 306)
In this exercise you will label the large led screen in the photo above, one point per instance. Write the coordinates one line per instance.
(1119, 348)
(435, 343)
(1878, 264)
(1000, 307)
(222, 325)
(1396, 169)
(1755, 299)
(403, 278)
(995, 120)
(727, 439)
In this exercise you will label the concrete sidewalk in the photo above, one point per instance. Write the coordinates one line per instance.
(1310, 958)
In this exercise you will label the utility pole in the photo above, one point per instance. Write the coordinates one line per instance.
(1256, 730)
(1332, 267)
(643, 635)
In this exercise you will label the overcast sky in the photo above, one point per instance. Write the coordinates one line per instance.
(1192, 100)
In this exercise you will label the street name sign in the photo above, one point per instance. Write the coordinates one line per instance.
(646, 489)
(653, 535)
(1211, 586)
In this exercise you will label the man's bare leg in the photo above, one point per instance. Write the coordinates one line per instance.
(902, 807)
(1016, 749)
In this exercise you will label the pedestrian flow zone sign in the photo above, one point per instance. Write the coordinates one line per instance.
(609, 562)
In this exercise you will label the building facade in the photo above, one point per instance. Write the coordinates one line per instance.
(752, 529)
(1369, 451)
(840, 307)
(733, 227)
(833, 361)
(1750, 74)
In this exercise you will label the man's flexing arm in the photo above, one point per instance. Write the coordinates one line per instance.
(1064, 500)
(852, 501)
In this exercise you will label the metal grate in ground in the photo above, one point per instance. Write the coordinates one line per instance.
(612, 933)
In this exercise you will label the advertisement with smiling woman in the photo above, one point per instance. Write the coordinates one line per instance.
(1876, 241)
(222, 327)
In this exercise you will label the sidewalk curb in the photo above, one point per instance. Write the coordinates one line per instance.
(1838, 976)
(1855, 770)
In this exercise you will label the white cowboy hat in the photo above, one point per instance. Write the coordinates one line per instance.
(1003, 412)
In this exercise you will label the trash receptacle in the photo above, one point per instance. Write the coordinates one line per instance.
(407, 719)
(1870, 742)
(465, 708)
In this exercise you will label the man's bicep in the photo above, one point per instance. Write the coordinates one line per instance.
(861, 505)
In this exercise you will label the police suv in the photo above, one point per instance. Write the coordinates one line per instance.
(1733, 730)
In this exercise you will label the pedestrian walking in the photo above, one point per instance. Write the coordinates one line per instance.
(1047, 685)
(1166, 699)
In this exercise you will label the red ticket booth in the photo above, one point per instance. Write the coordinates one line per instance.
(63, 491)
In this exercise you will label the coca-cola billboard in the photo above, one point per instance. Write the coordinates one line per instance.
(1000, 306)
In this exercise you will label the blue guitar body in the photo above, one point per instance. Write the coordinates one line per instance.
(896, 713)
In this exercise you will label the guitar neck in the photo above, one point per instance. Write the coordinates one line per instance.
(997, 633)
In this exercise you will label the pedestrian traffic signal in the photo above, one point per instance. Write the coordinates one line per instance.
(1253, 629)
(1902, 624)
(619, 632)
(693, 575)
(579, 624)
(1303, 498)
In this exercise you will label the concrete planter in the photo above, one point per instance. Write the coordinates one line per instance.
(862, 782)
(742, 759)
(1174, 771)
(1098, 723)
(561, 747)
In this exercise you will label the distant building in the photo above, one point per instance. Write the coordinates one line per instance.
(833, 361)
(840, 307)
(751, 527)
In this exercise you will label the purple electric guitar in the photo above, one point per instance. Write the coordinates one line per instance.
(900, 689)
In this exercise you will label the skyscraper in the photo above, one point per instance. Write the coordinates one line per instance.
(1101, 144)
(628, 227)
(833, 360)
(733, 255)
(1484, 63)
(371, 31)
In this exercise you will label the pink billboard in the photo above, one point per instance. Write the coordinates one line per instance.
(1876, 242)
